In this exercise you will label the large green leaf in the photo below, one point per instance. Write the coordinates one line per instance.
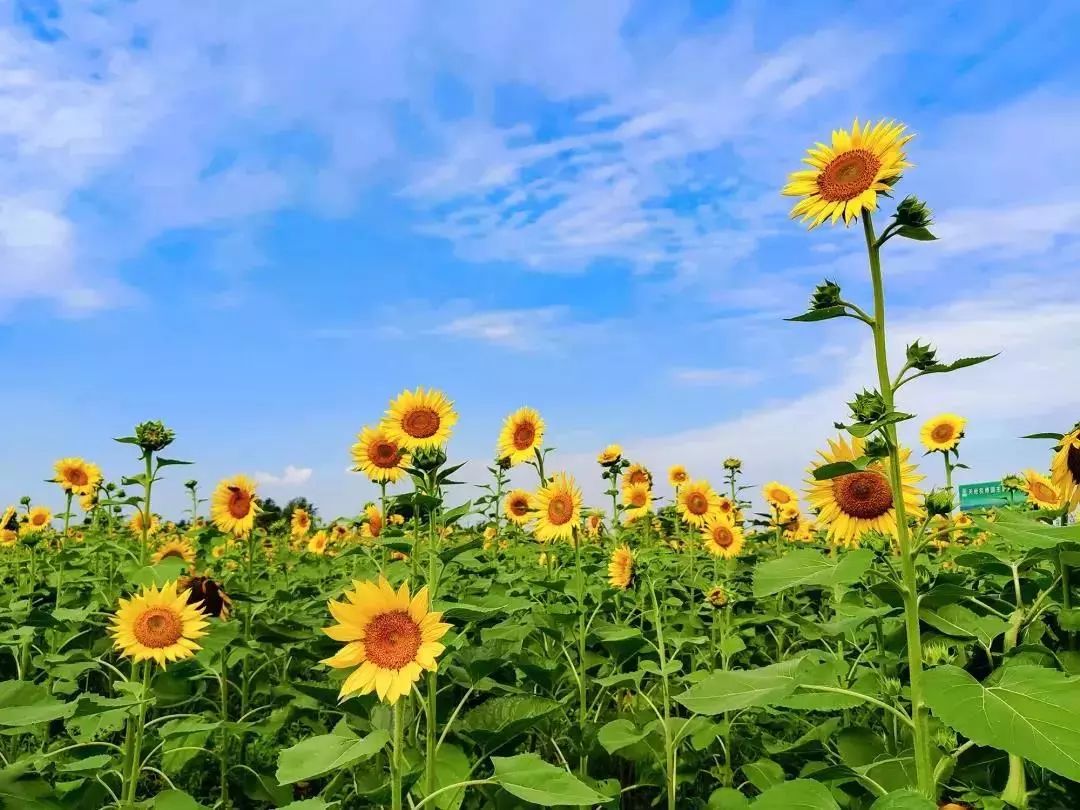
(957, 620)
(530, 779)
(805, 566)
(320, 755)
(1025, 534)
(904, 800)
(25, 704)
(506, 716)
(1031, 712)
(619, 734)
(729, 690)
(799, 794)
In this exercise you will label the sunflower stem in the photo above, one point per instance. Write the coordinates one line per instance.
(919, 712)
(148, 484)
(395, 761)
(133, 744)
(582, 697)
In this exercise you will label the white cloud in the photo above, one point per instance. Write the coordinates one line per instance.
(292, 476)
(729, 377)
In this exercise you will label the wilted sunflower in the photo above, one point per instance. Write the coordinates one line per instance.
(317, 543)
(722, 538)
(77, 476)
(845, 178)
(609, 455)
(621, 568)
(558, 509)
(204, 592)
(518, 506)
(698, 502)
(232, 506)
(378, 456)
(853, 504)
(521, 435)
(136, 523)
(158, 625)
(778, 495)
(373, 526)
(37, 520)
(677, 475)
(1065, 468)
(1041, 491)
(942, 432)
(637, 500)
(419, 420)
(637, 474)
(300, 523)
(175, 547)
(391, 637)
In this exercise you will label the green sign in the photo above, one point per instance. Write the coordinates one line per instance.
(983, 496)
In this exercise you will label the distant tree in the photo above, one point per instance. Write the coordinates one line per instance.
(298, 503)
(270, 514)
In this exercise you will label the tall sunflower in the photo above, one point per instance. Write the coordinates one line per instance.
(637, 474)
(1041, 491)
(378, 456)
(175, 547)
(621, 568)
(845, 178)
(518, 506)
(778, 495)
(677, 475)
(521, 435)
(158, 625)
(722, 538)
(942, 432)
(420, 419)
(390, 637)
(698, 502)
(37, 520)
(558, 509)
(299, 523)
(77, 476)
(609, 455)
(1065, 468)
(373, 525)
(233, 507)
(850, 505)
(637, 500)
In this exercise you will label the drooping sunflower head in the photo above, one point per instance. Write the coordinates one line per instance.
(38, 519)
(776, 494)
(204, 592)
(637, 501)
(1065, 468)
(722, 538)
(521, 435)
(420, 419)
(158, 625)
(637, 474)
(621, 568)
(698, 502)
(373, 522)
(175, 547)
(784, 516)
(845, 178)
(558, 509)
(610, 455)
(300, 523)
(851, 505)
(9, 519)
(77, 476)
(518, 506)
(677, 475)
(390, 638)
(942, 432)
(1041, 491)
(378, 456)
(233, 507)
(317, 543)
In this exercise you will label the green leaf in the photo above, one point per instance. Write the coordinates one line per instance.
(805, 566)
(158, 574)
(1025, 533)
(729, 690)
(530, 779)
(957, 620)
(451, 767)
(918, 233)
(799, 794)
(26, 704)
(171, 462)
(1057, 437)
(824, 314)
(861, 431)
(963, 362)
(314, 804)
(321, 755)
(727, 799)
(619, 734)
(763, 773)
(904, 800)
(506, 716)
(1031, 712)
(452, 516)
(175, 800)
(837, 468)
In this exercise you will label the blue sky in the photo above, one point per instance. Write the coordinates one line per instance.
(260, 221)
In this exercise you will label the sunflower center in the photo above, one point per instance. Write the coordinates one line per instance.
(1072, 461)
(172, 552)
(636, 477)
(780, 496)
(38, 520)
(384, 454)
(722, 536)
(637, 498)
(560, 508)
(519, 507)
(239, 503)
(848, 175)
(158, 627)
(942, 433)
(392, 640)
(697, 503)
(421, 423)
(77, 477)
(524, 436)
(864, 495)
(1044, 493)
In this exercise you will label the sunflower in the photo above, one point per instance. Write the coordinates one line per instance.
(717, 597)
(677, 475)
(88, 502)
(317, 543)
(698, 502)
(778, 495)
(339, 533)
(390, 638)
(594, 524)
(845, 178)
(38, 519)
(942, 432)
(637, 474)
(722, 538)
(558, 509)
(518, 506)
(490, 534)
(232, 506)
(205, 592)
(850, 505)
(621, 568)
(8, 538)
(420, 420)
(801, 530)
(373, 526)
(158, 625)
(300, 523)
(175, 548)
(378, 456)
(8, 519)
(784, 516)
(521, 435)
(637, 501)
(1065, 468)
(610, 455)
(1041, 491)
(136, 523)
(77, 476)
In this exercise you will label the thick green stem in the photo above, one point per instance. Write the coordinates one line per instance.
(148, 485)
(583, 706)
(395, 761)
(133, 743)
(919, 712)
(671, 756)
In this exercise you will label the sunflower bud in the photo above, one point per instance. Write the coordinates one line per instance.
(913, 213)
(191, 484)
(921, 356)
(504, 463)
(25, 500)
(717, 597)
(937, 652)
(826, 294)
(867, 407)
(428, 459)
(153, 436)
(876, 447)
(733, 464)
(939, 502)
(1013, 482)
(891, 687)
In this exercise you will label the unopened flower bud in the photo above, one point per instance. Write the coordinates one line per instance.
(153, 436)
(826, 294)
(867, 407)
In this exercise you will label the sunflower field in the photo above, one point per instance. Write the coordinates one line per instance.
(853, 641)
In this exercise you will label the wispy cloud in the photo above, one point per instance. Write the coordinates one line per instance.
(292, 476)
(727, 377)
